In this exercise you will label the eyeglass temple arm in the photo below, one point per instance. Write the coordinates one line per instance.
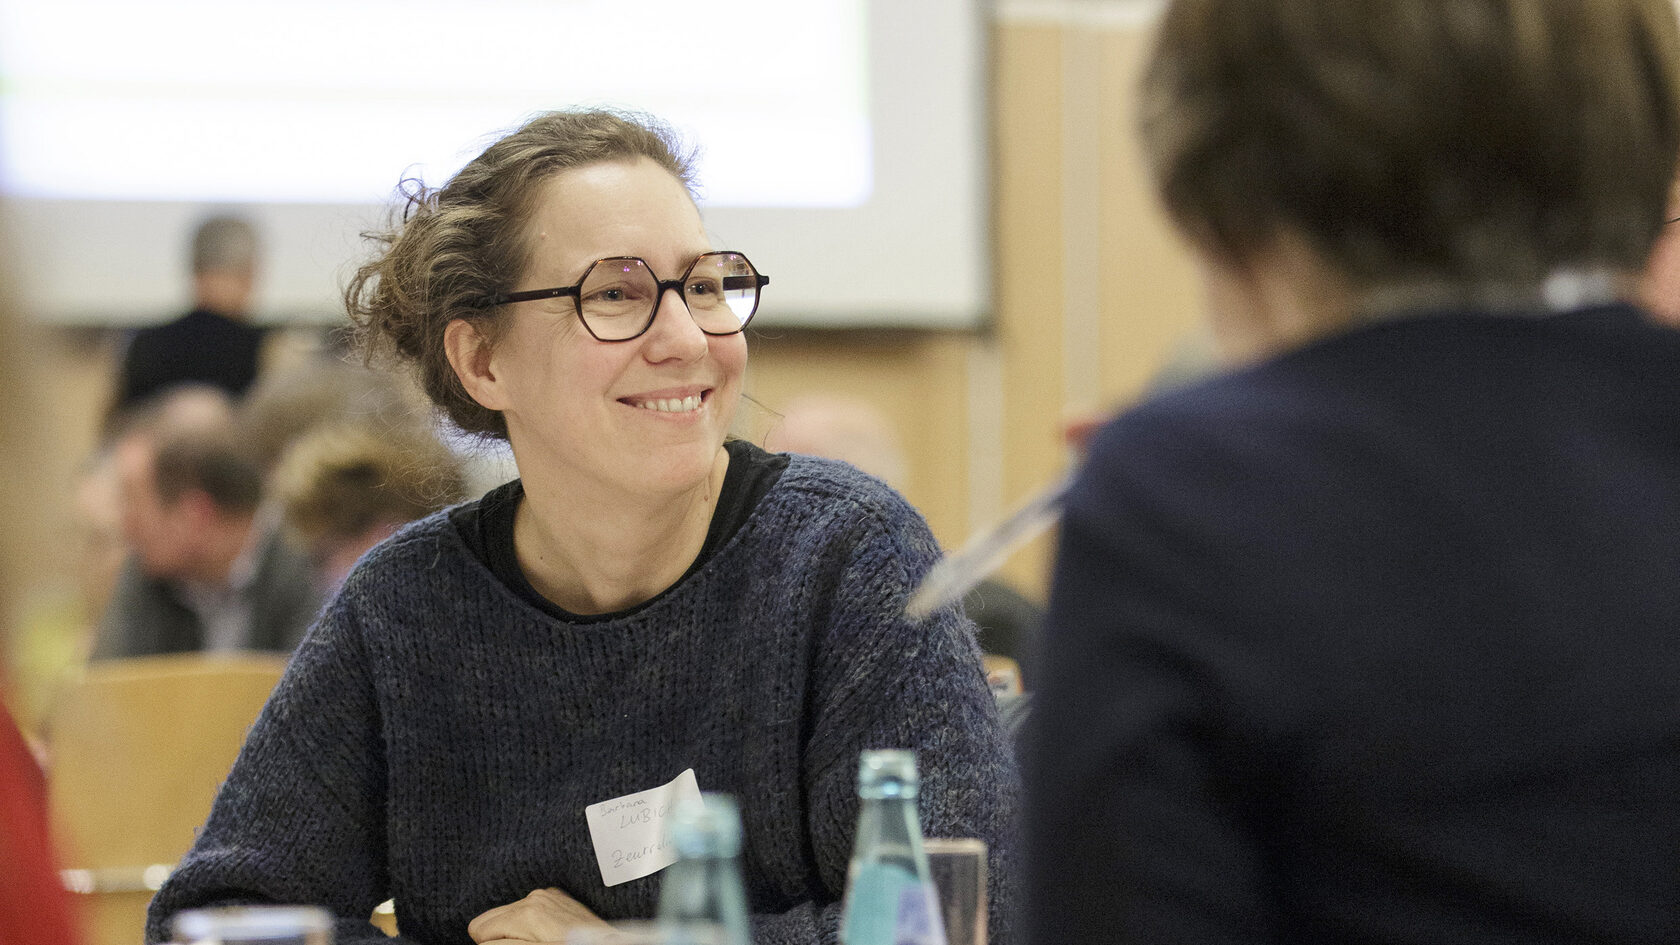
(531, 295)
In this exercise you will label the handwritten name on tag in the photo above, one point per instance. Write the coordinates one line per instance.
(629, 831)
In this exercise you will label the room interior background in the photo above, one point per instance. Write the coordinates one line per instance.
(1094, 301)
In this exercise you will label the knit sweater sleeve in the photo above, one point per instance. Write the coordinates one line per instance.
(881, 680)
(300, 818)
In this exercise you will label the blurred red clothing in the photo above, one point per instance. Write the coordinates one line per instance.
(34, 908)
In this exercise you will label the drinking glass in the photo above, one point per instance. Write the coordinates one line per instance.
(959, 874)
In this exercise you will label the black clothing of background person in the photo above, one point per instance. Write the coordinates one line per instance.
(200, 347)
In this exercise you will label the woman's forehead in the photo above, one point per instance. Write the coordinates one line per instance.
(615, 209)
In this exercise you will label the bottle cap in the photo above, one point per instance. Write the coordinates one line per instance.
(707, 828)
(888, 772)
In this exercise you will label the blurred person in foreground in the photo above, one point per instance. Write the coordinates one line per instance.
(344, 487)
(649, 603)
(206, 570)
(1372, 638)
(34, 906)
(215, 343)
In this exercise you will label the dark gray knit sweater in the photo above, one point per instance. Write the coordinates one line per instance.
(436, 739)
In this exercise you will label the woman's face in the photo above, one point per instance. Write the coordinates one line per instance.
(646, 415)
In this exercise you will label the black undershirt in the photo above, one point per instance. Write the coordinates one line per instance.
(487, 525)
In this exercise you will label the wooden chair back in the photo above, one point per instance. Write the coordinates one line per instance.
(138, 749)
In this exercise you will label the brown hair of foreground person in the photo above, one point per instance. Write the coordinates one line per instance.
(1419, 142)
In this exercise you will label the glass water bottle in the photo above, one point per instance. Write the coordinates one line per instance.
(890, 897)
(701, 900)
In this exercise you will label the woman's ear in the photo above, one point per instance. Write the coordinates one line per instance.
(469, 354)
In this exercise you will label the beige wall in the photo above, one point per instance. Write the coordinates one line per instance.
(1093, 297)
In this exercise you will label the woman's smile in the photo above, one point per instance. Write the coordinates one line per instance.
(672, 402)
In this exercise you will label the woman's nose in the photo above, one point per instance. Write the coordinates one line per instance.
(674, 333)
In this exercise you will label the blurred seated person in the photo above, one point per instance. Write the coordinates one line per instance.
(1008, 625)
(345, 487)
(843, 427)
(215, 343)
(651, 606)
(852, 430)
(329, 387)
(333, 387)
(205, 571)
(1371, 637)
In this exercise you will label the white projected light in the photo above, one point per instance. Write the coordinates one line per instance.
(253, 102)
(824, 128)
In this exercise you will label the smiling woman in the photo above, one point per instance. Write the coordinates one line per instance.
(600, 425)
(648, 610)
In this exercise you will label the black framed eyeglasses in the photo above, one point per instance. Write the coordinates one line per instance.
(618, 297)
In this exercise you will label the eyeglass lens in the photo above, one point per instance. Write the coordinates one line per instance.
(618, 297)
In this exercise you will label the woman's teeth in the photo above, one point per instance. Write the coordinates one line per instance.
(671, 405)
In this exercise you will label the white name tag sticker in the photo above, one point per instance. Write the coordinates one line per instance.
(629, 831)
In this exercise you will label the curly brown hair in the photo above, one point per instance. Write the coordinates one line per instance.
(453, 247)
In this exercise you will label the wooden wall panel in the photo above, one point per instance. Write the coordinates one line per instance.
(1028, 196)
(1150, 294)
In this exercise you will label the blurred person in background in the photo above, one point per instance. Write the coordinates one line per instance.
(841, 427)
(1371, 638)
(205, 570)
(343, 488)
(849, 429)
(332, 387)
(214, 344)
(648, 605)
